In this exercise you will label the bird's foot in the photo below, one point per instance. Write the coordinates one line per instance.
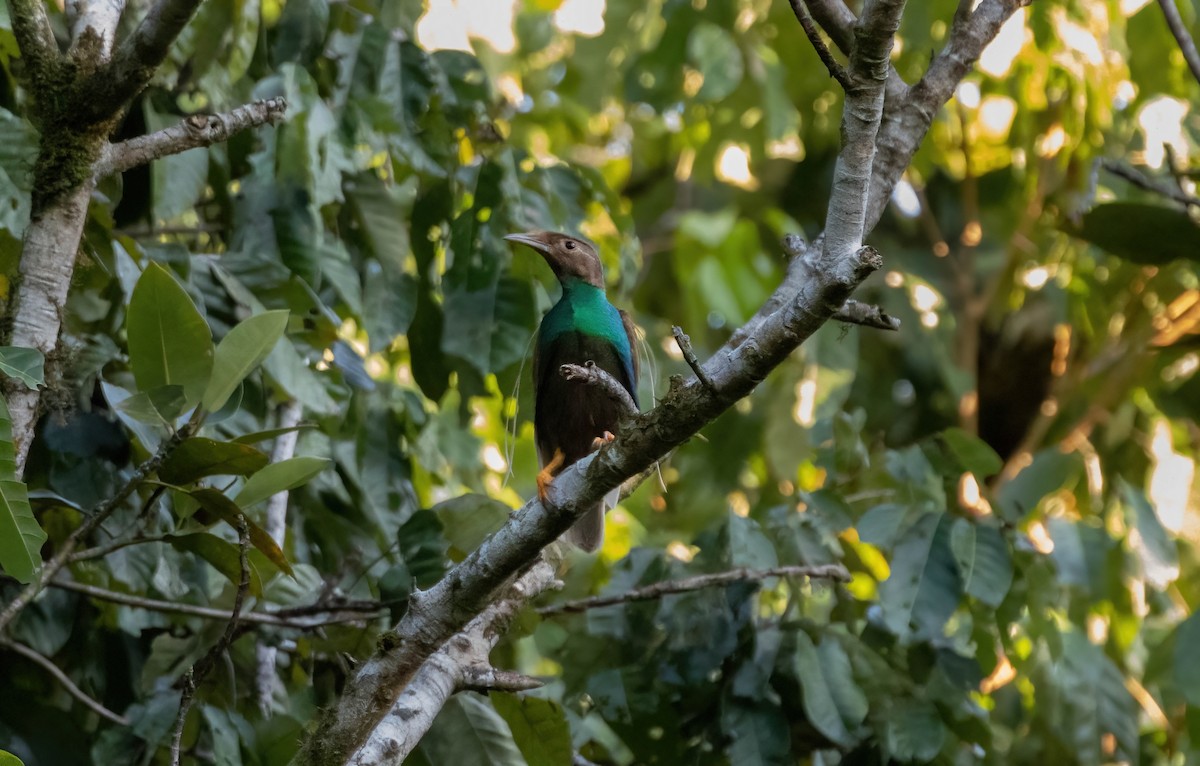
(600, 441)
(548, 472)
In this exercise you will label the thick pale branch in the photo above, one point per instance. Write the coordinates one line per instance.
(699, 582)
(1186, 44)
(193, 132)
(65, 680)
(461, 663)
(139, 55)
(35, 37)
(838, 22)
(94, 29)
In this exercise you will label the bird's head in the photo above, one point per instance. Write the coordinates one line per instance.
(569, 257)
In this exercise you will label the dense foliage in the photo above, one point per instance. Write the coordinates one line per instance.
(1010, 479)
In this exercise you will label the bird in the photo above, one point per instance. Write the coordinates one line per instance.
(572, 419)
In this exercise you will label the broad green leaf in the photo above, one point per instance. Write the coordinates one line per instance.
(277, 477)
(922, 590)
(24, 364)
(1147, 234)
(169, 342)
(538, 726)
(198, 457)
(714, 53)
(242, 350)
(1152, 543)
(271, 433)
(222, 554)
(1050, 471)
(469, 731)
(914, 731)
(984, 565)
(972, 453)
(757, 732)
(1094, 700)
(819, 705)
(21, 537)
(216, 503)
(1187, 658)
(468, 520)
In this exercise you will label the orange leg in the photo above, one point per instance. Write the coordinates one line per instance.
(546, 475)
(600, 441)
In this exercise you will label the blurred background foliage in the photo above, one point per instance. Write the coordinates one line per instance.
(1010, 478)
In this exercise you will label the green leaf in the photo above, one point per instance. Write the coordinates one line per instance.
(169, 342)
(914, 731)
(1147, 234)
(198, 457)
(757, 732)
(1187, 658)
(1050, 471)
(271, 433)
(818, 701)
(539, 728)
(222, 554)
(24, 364)
(242, 350)
(21, 537)
(277, 477)
(972, 453)
(220, 506)
(1094, 701)
(714, 53)
(922, 590)
(468, 730)
(468, 520)
(984, 565)
(1152, 543)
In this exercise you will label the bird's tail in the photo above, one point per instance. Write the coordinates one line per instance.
(588, 532)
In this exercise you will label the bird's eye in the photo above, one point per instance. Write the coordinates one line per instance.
(569, 245)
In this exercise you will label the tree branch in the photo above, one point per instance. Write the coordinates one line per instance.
(699, 582)
(836, 70)
(94, 30)
(838, 22)
(282, 618)
(283, 449)
(193, 132)
(65, 680)
(1186, 44)
(1139, 179)
(35, 37)
(461, 663)
(196, 674)
(854, 312)
(685, 347)
(139, 55)
(98, 516)
(590, 374)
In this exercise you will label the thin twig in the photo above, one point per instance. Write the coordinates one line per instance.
(1140, 180)
(97, 517)
(855, 312)
(1186, 44)
(100, 551)
(195, 131)
(685, 347)
(283, 618)
(196, 674)
(699, 582)
(836, 70)
(590, 374)
(65, 680)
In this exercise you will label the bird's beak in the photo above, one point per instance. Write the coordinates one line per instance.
(529, 240)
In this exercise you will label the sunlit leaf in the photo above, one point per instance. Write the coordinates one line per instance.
(222, 554)
(242, 350)
(169, 342)
(221, 507)
(277, 477)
